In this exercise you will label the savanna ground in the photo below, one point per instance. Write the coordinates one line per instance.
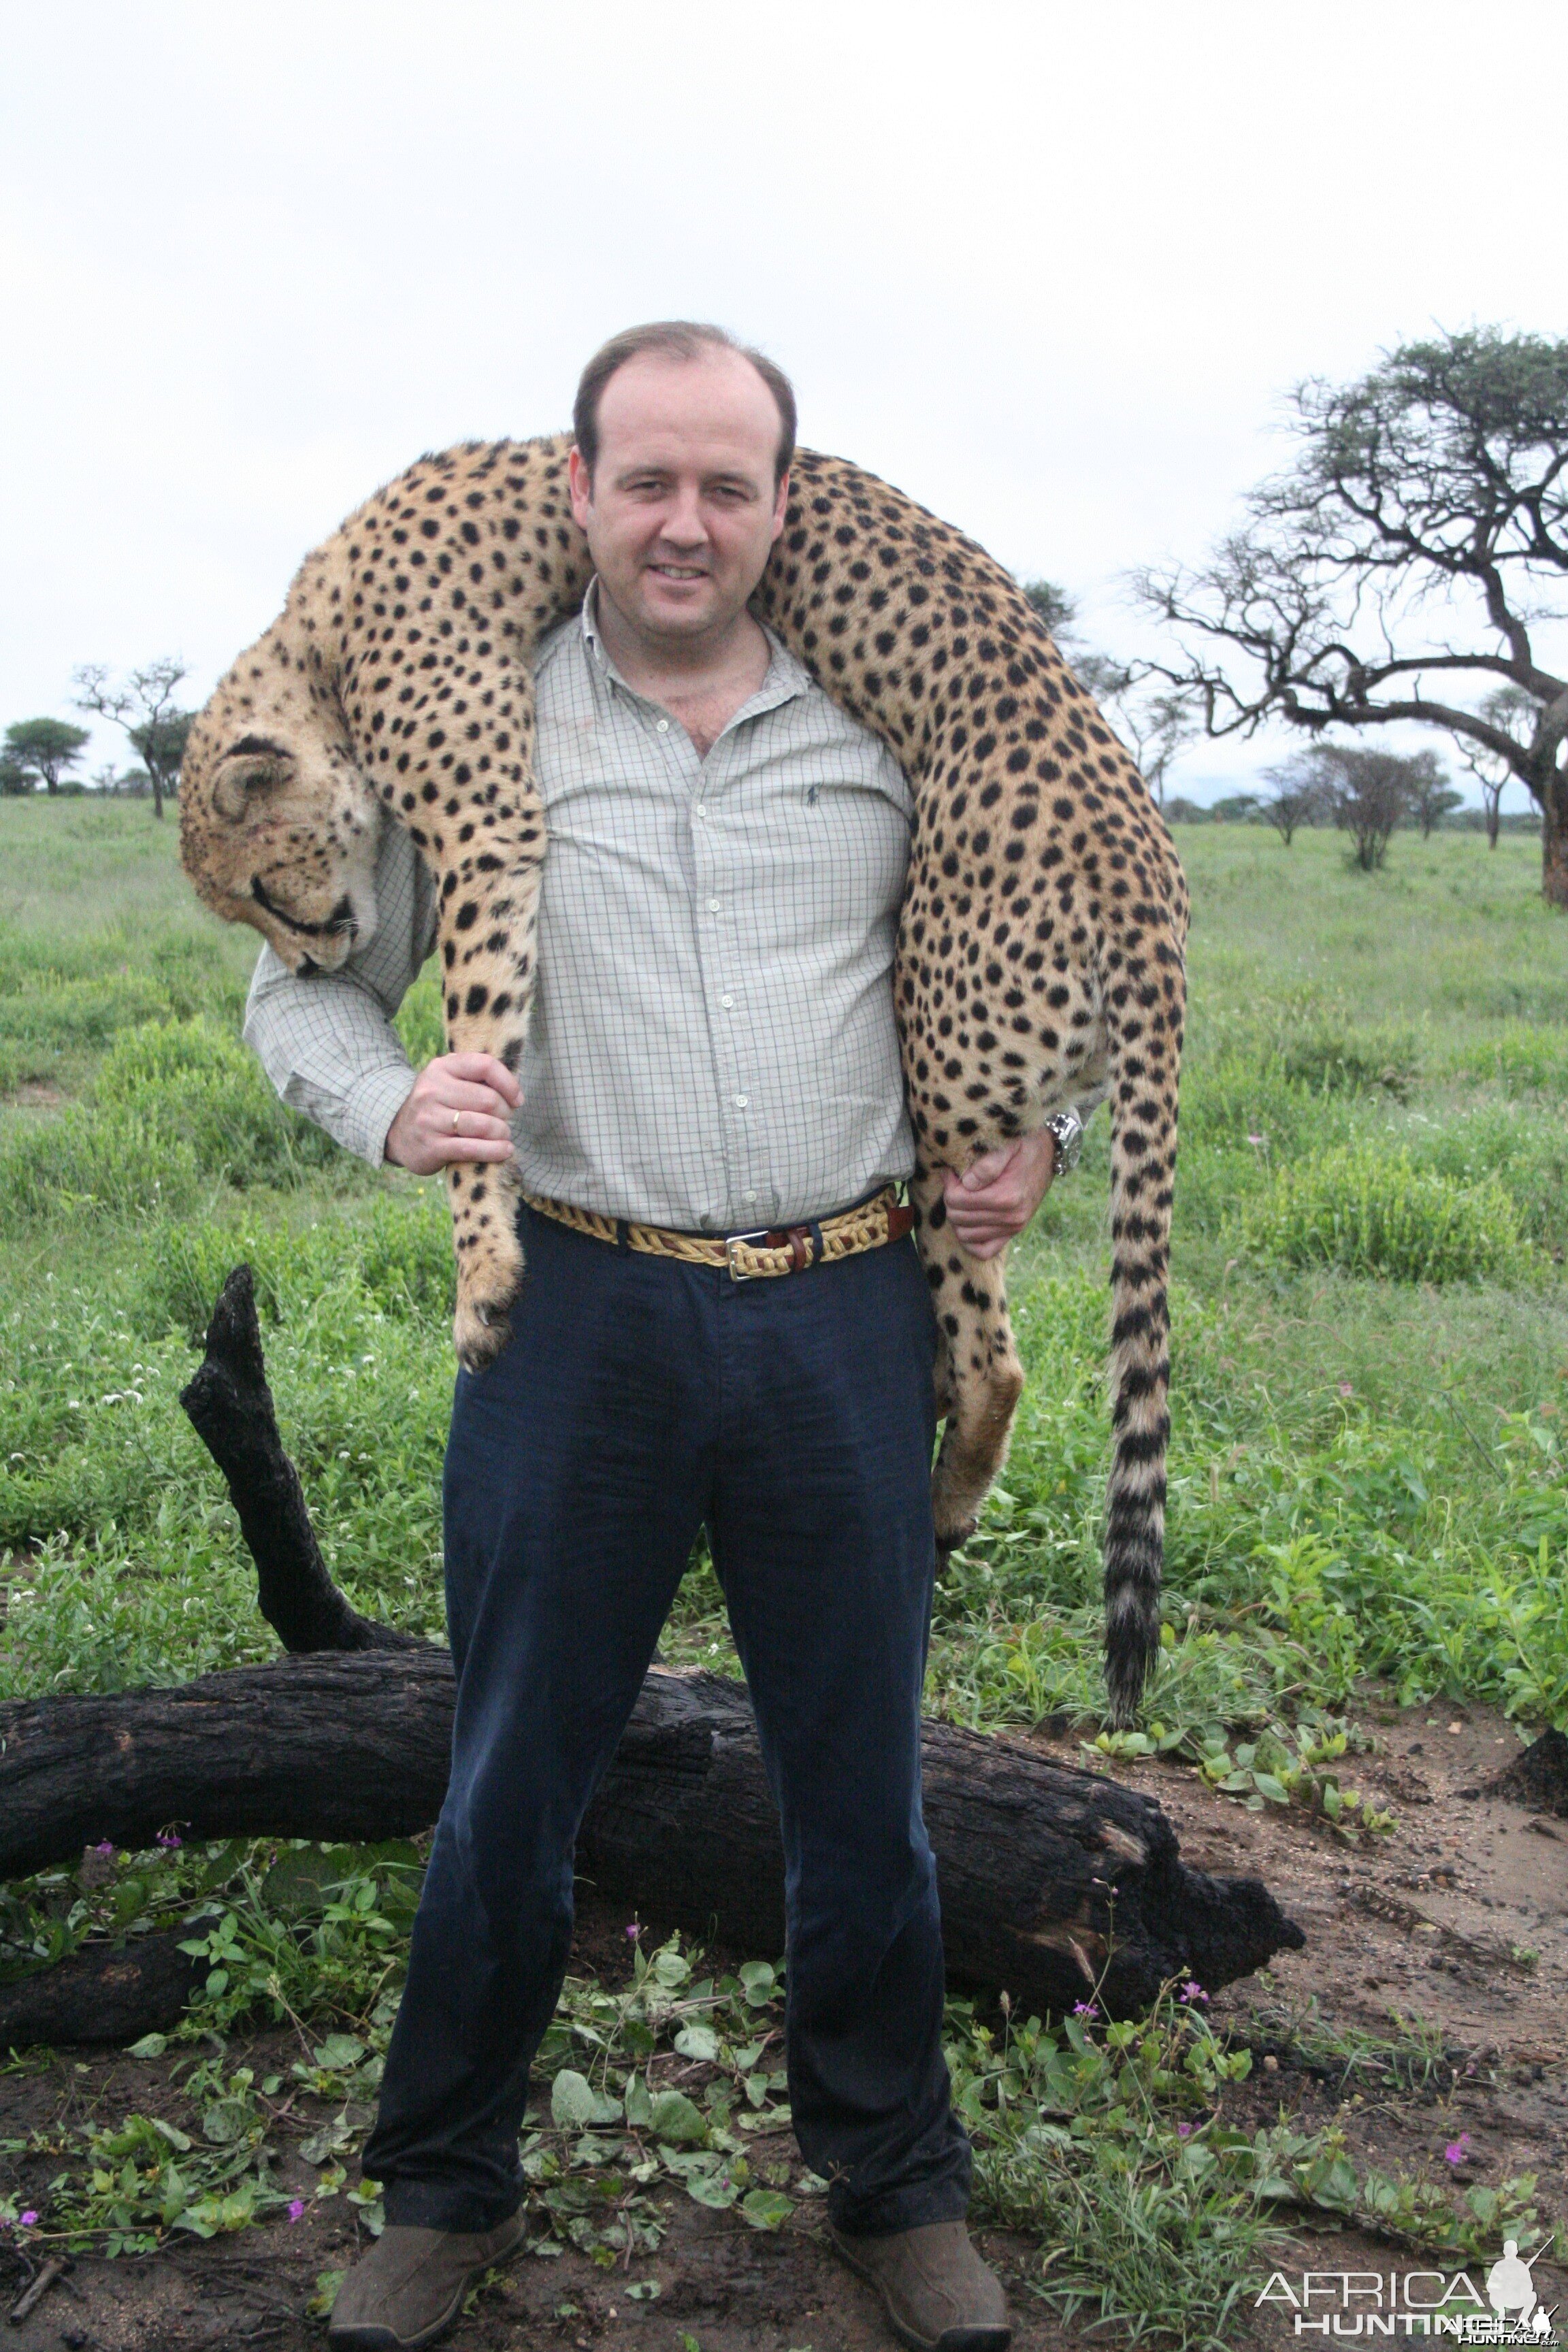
(1365, 1619)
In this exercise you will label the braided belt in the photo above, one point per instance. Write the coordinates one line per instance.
(771, 1249)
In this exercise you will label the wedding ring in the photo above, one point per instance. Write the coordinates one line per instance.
(456, 1115)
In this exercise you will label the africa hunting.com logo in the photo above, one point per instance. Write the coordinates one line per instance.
(1375, 2303)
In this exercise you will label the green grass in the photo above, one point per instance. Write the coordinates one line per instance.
(1369, 1368)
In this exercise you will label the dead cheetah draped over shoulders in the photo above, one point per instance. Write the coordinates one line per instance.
(1040, 956)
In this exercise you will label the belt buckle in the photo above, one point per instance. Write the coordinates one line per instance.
(736, 1274)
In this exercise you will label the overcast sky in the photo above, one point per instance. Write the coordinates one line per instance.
(1049, 269)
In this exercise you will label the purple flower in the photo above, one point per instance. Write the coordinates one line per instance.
(297, 2210)
(106, 1849)
(634, 1931)
(1184, 2130)
(1457, 2150)
(1257, 1138)
(1191, 1990)
(1084, 2009)
(170, 1837)
(27, 2220)
(1346, 1388)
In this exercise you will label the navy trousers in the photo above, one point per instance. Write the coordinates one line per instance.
(638, 1400)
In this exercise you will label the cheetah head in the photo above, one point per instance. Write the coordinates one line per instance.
(280, 830)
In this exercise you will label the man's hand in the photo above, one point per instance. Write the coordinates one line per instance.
(457, 1110)
(993, 1201)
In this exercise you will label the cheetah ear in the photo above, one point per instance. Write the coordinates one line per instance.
(248, 770)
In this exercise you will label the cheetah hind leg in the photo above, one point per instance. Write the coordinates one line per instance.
(979, 1377)
(484, 1199)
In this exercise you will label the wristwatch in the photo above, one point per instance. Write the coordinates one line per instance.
(1068, 1128)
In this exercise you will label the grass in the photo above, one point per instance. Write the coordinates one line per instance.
(1369, 1368)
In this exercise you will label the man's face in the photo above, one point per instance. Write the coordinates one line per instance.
(681, 511)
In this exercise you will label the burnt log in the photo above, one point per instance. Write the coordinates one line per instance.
(229, 1406)
(101, 1993)
(1052, 1879)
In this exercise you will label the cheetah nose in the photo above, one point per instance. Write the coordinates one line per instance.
(342, 918)
(307, 968)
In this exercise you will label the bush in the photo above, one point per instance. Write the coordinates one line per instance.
(202, 1086)
(1523, 1060)
(399, 1259)
(1284, 1078)
(81, 1163)
(1526, 1152)
(420, 1022)
(173, 1102)
(1371, 1213)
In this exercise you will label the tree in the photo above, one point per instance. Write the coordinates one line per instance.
(162, 743)
(1402, 562)
(1296, 796)
(15, 777)
(1153, 725)
(44, 748)
(1369, 793)
(1513, 711)
(1432, 799)
(144, 704)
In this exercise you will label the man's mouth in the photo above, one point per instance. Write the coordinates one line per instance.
(678, 570)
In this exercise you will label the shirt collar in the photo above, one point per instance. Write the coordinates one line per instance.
(786, 677)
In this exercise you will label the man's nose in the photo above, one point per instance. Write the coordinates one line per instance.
(684, 521)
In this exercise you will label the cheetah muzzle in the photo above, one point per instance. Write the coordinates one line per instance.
(1041, 955)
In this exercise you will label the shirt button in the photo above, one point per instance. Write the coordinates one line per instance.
(664, 726)
(748, 1196)
(741, 1101)
(712, 905)
(700, 810)
(726, 1001)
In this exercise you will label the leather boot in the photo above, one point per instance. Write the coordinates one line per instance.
(410, 2286)
(935, 2289)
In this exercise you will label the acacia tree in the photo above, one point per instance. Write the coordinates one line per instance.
(1514, 713)
(1402, 564)
(1369, 793)
(1432, 796)
(42, 748)
(1296, 796)
(144, 704)
(1152, 721)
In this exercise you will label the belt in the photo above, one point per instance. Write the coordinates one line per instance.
(771, 1249)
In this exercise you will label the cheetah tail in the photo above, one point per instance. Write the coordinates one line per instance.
(1143, 1158)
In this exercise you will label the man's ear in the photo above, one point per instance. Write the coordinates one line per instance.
(781, 500)
(580, 482)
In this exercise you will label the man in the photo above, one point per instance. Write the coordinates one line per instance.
(713, 1054)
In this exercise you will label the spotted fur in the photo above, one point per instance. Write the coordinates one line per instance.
(1041, 941)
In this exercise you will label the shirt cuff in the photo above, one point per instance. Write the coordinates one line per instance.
(372, 1105)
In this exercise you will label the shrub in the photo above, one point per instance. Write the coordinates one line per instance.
(399, 1259)
(1523, 1060)
(200, 1083)
(1526, 1153)
(419, 1020)
(1372, 1213)
(82, 1164)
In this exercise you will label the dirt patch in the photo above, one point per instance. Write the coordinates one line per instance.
(1455, 1923)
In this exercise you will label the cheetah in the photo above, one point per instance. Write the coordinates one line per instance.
(1040, 956)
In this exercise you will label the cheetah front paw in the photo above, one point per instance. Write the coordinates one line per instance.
(490, 1277)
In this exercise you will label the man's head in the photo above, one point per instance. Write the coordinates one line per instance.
(679, 476)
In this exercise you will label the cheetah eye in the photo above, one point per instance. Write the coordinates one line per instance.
(242, 776)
